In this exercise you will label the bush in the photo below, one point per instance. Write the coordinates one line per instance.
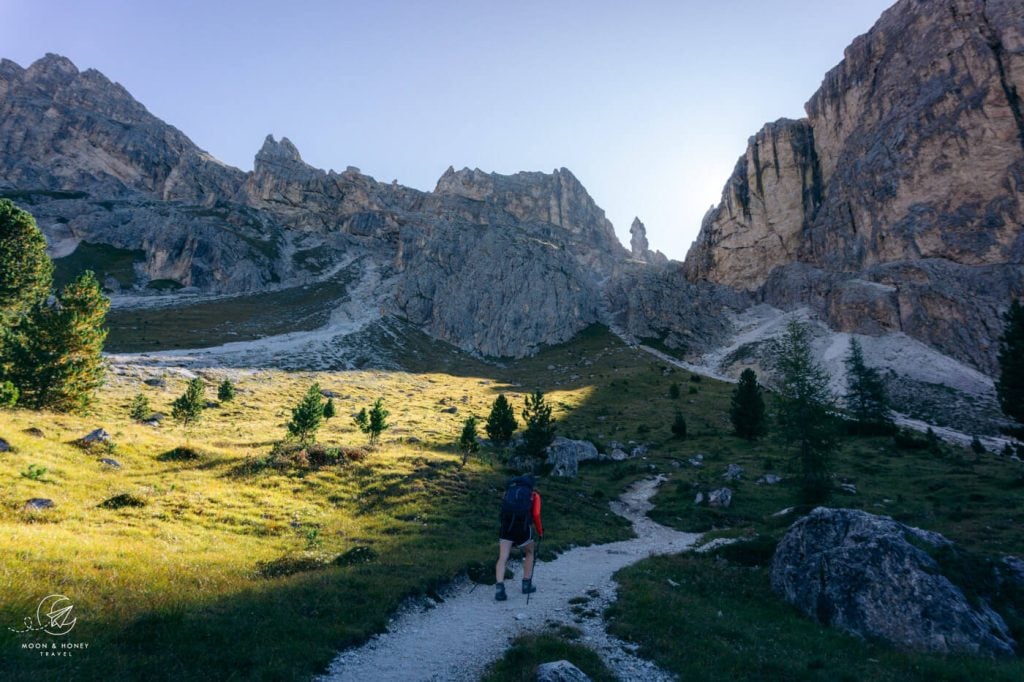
(679, 426)
(188, 409)
(123, 500)
(673, 391)
(307, 416)
(139, 409)
(757, 551)
(226, 391)
(501, 422)
(696, 378)
(8, 394)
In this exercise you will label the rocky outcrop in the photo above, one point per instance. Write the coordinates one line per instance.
(658, 304)
(873, 577)
(640, 249)
(564, 455)
(912, 151)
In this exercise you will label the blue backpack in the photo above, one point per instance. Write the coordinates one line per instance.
(518, 498)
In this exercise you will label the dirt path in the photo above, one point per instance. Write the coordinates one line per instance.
(457, 638)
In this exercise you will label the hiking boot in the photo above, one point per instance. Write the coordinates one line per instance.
(528, 587)
(499, 592)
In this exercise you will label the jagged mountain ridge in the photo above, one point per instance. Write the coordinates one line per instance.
(494, 264)
(896, 205)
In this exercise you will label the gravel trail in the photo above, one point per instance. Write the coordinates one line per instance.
(457, 638)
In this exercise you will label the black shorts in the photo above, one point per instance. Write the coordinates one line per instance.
(516, 529)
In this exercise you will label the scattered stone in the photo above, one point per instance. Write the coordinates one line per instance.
(697, 461)
(639, 451)
(4, 446)
(156, 382)
(782, 512)
(618, 455)
(848, 488)
(676, 463)
(769, 479)
(451, 410)
(560, 671)
(565, 455)
(111, 462)
(699, 499)
(672, 583)
(520, 616)
(38, 504)
(97, 436)
(328, 394)
(35, 431)
(211, 404)
(720, 498)
(733, 472)
(869, 575)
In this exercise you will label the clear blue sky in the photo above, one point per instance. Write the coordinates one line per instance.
(648, 103)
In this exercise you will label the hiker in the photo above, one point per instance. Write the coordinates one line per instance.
(519, 506)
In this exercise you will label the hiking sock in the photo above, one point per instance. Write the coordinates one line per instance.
(499, 592)
(528, 587)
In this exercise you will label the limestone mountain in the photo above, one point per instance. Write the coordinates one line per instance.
(896, 204)
(493, 264)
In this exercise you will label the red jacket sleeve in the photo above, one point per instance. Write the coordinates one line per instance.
(536, 514)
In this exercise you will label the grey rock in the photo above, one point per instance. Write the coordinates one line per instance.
(565, 455)
(698, 499)
(639, 451)
(4, 446)
(868, 575)
(38, 504)
(560, 671)
(697, 460)
(97, 436)
(733, 472)
(849, 488)
(113, 463)
(720, 498)
(769, 479)
(328, 394)
(156, 382)
(619, 455)
(450, 410)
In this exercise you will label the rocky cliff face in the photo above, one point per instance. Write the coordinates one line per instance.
(495, 264)
(896, 205)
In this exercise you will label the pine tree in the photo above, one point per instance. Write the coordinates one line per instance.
(805, 403)
(374, 422)
(139, 410)
(679, 426)
(467, 440)
(866, 396)
(1010, 387)
(747, 407)
(226, 391)
(330, 411)
(501, 422)
(307, 416)
(188, 408)
(26, 272)
(540, 427)
(53, 354)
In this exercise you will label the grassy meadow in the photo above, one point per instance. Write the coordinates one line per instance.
(220, 567)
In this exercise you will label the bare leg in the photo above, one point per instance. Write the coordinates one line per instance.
(504, 548)
(528, 560)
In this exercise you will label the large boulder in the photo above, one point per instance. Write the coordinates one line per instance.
(565, 455)
(872, 576)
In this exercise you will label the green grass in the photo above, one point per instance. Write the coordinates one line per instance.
(103, 259)
(529, 651)
(215, 566)
(211, 323)
(721, 621)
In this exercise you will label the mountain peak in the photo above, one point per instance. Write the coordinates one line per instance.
(52, 65)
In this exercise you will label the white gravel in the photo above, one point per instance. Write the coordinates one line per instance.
(459, 637)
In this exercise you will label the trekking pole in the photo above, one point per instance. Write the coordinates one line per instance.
(536, 560)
